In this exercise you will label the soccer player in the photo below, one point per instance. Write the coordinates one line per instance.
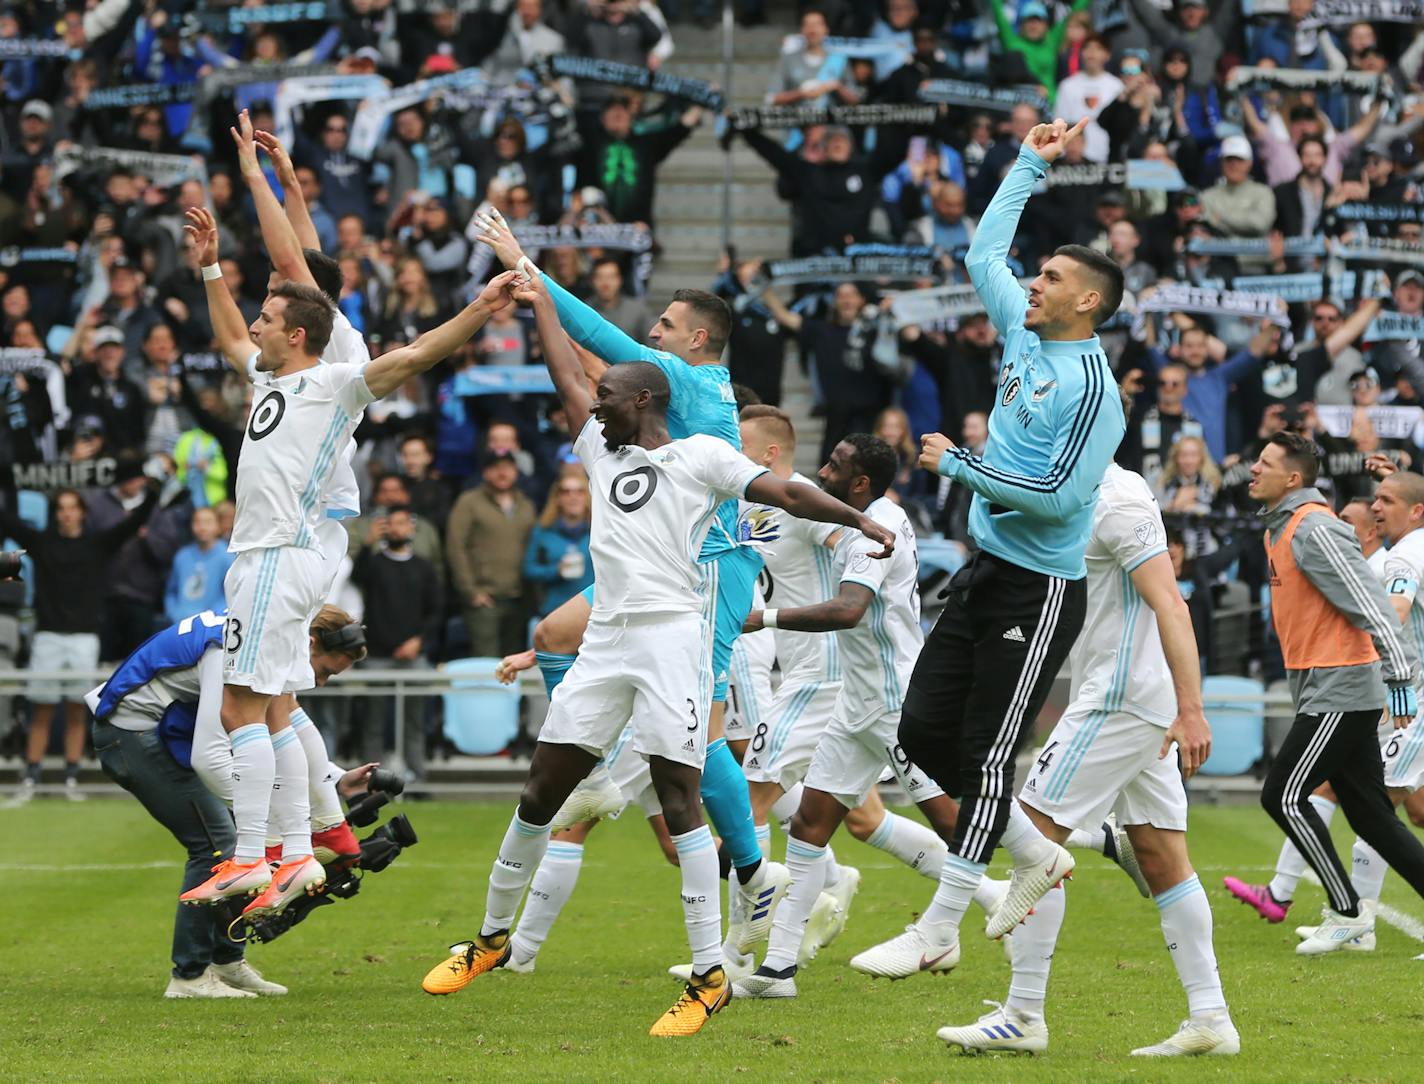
(1337, 632)
(1014, 611)
(303, 415)
(646, 648)
(1396, 514)
(875, 616)
(687, 344)
(1136, 694)
(146, 732)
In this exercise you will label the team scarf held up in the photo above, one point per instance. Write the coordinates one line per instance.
(164, 170)
(858, 263)
(611, 73)
(610, 236)
(749, 118)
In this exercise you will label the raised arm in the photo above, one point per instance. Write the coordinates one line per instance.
(283, 248)
(842, 612)
(393, 368)
(564, 368)
(1352, 327)
(1153, 20)
(808, 502)
(229, 328)
(987, 259)
(293, 202)
(1155, 581)
(784, 316)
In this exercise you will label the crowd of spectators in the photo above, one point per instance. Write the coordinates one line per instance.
(123, 428)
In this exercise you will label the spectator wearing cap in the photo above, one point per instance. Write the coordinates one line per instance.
(99, 388)
(1394, 186)
(526, 36)
(1087, 94)
(126, 307)
(35, 145)
(345, 179)
(195, 582)
(623, 163)
(1280, 149)
(835, 196)
(557, 560)
(628, 314)
(1034, 39)
(1237, 205)
(486, 539)
(1204, 36)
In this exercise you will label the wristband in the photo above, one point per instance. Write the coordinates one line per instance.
(768, 619)
(212, 271)
(526, 267)
(1401, 701)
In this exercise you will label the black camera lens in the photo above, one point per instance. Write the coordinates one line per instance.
(386, 781)
(10, 564)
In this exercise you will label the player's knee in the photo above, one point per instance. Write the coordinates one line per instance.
(1416, 815)
(538, 801)
(543, 637)
(809, 828)
(680, 808)
(862, 825)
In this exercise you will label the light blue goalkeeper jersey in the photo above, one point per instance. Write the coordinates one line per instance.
(702, 399)
(1057, 418)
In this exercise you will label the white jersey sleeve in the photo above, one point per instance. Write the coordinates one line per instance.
(723, 469)
(860, 566)
(589, 445)
(349, 383)
(1131, 529)
(1404, 567)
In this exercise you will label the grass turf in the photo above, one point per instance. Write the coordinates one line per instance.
(86, 927)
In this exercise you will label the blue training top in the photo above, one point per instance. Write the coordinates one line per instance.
(702, 398)
(1057, 420)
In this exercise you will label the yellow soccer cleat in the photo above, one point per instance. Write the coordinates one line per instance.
(468, 960)
(703, 995)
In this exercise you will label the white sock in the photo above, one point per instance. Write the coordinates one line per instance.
(807, 864)
(786, 806)
(1033, 944)
(833, 868)
(520, 853)
(253, 770)
(763, 833)
(958, 881)
(552, 886)
(912, 843)
(735, 914)
(1367, 870)
(291, 806)
(1079, 840)
(1186, 925)
(1022, 839)
(321, 777)
(701, 897)
(1290, 866)
(990, 894)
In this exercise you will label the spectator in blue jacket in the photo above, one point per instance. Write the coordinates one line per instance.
(195, 583)
(1208, 388)
(557, 556)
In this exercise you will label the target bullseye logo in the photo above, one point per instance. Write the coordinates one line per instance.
(633, 489)
(266, 415)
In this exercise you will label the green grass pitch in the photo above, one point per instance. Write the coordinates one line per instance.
(89, 892)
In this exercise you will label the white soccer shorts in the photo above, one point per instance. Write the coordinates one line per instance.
(749, 693)
(783, 744)
(272, 595)
(630, 774)
(859, 742)
(1403, 753)
(1098, 761)
(652, 674)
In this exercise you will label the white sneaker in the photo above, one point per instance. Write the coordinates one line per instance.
(241, 975)
(1194, 1037)
(757, 986)
(1002, 1029)
(1127, 856)
(593, 799)
(736, 967)
(826, 921)
(1364, 943)
(1026, 887)
(72, 792)
(908, 954)
(1336, 931)
(205, 985)
(759, 900)
(519, 967)
(24, 794)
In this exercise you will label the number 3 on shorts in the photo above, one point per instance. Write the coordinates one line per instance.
(232, 638)
(692, 707)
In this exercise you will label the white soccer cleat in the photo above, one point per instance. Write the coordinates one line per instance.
(72, 792)
(519, 967)
(1002, 1029)
(241, 975)
(826, 921)
(773, 984)
(1196, 1037)
(908, 954)
(1027, 886)
(1126, 856)
(1364, 943)
(758, 902)
(593, 799)
(1336, 931)
(206, 985)
(736, 967)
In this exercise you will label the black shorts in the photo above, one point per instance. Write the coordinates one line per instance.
(982, 678)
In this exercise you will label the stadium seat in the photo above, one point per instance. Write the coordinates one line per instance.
(33, 508)
(482, 718)
(1237, 728)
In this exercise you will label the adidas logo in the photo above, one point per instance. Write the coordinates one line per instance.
(753, 763)
(1031, 784)
(1015, 634)
(689, 746)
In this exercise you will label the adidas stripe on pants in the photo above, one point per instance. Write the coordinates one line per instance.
(982, 677)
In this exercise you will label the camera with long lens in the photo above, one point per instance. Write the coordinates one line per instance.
(10, 564)
(378, 850)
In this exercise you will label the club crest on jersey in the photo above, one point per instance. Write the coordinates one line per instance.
(633, 489)
(1011, 392)
(268, 413)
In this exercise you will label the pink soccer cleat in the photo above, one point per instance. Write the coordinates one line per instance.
(1259, 897)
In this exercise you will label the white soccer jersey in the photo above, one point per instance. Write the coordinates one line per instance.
(799, 572)
(878, 655)
(651, 510)
(299, 426)
(1376, 562)
(347, 347)
(1401, 573)
(1118, 663)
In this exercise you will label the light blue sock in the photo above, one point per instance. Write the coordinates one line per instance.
(724, 793)
(553, 666)
(763, 832)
